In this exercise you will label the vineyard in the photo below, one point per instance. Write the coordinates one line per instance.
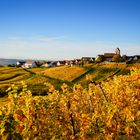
(65, 72)
(102, 72)
(36, 77)
(109, 110)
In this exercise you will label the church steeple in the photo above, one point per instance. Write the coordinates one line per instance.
(117, 51)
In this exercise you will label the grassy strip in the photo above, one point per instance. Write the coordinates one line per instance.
(110, 76)
(56, 82)
(65, 72)
(10, 70)
(48, 77)
(82, 75)
(3, 69)
(27, 70)
(19, 78)
(124, 71)
(11, 77)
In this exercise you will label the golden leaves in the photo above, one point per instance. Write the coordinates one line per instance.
(75, 113)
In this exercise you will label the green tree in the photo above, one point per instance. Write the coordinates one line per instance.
(116, 58)
(124, 58)
(99, 58)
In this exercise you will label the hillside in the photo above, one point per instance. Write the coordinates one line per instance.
(8, 61)
(65, 72)
(36, 77)
(108, 111)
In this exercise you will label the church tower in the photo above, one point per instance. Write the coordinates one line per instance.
(117, 51)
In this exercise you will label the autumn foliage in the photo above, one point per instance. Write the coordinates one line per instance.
(110, 110)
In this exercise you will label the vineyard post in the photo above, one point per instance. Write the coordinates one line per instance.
(71, 118)
(90, 102)
(102, 92)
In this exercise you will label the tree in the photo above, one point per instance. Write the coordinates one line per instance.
(39, 63)
(124, 57)
(99, 58)
(116, 58)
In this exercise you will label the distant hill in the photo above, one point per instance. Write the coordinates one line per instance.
(7, 61)
(4, 61)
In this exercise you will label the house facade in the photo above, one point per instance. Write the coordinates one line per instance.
(87, 59)
(20, 63)
(29, 64)
(108, 56)
(45, 65)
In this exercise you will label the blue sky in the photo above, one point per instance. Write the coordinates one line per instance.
(66, 29)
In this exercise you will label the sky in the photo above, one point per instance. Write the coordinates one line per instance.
(68, 29)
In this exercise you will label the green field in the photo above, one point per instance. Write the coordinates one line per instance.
(36, 77)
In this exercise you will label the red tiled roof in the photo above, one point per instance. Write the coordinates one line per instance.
(29, 62)
(109, 55)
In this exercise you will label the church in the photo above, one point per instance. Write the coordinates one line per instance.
(108, 56)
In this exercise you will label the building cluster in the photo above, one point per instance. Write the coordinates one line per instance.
(116, 57)
(106, 57)
(33, 64)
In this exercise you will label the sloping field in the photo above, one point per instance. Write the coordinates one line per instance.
(10, 75)
(37, 70)
(133, 66)
(65, 72)
(32, 77)
(104, 71)
(36, 77)
(5, 69)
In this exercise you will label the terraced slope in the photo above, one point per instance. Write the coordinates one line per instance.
(36, 77)
(103, 71)
(10, 75)
(65, 72)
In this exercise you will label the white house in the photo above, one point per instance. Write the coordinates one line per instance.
(20, 63)
(136, 57)
(58, 63)
(45, 65)
(29, 64)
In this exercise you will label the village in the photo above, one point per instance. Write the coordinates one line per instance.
(102, 58)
